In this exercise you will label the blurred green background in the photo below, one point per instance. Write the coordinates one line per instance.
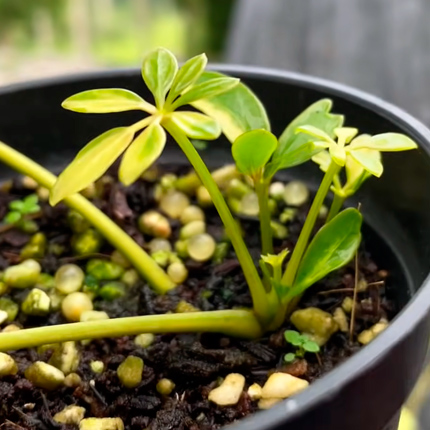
(50, 37)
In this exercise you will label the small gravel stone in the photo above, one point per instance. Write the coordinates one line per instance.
(101, 424)
(130, 372)
(366, 336)
(340, 317)
(71, 415)
(7, 365)
(44, 375)
(255, 392)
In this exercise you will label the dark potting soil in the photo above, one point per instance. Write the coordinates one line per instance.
(193, 361)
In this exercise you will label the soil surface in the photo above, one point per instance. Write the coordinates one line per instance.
(194, 362)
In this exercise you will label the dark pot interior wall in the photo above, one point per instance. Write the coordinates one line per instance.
(33, 120)
(396, 206)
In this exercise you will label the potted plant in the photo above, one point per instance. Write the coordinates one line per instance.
(179, 387)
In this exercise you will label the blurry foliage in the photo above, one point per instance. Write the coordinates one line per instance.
(113, 32)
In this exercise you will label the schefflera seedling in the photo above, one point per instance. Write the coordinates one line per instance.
(231, 108)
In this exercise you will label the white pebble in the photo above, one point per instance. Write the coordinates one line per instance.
(75, 304)
(296, 193)
(201, 247)
(228, 393)
(3, 316)
(367, 336)
(192, 213)
(254, 392)
(282, 385)
(174, 203)
(267, 403)
(249, 205)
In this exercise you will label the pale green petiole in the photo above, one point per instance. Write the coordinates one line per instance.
(239, 323)
(302, 243)
(262, 302)
(262, 191)
(335, 207)
(143, 263)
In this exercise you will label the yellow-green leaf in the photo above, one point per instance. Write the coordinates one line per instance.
(106, 100)
(315, 132)
(205, 90)
(91, 162)
(345, 134)
(390, 142)
(323, 159)
(142, 153)
(158, 71)
(236, 111)
(196, 125)
(355, 172)
(188, 74)
(367, 160)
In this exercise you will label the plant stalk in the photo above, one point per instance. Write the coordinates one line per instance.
(142, 262)
(262, 190)
(261, 301)
(336, 206)
(302, 243)
(238, 323)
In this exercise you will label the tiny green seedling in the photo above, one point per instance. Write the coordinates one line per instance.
(19, 211)
(224, 106)
(302, 344)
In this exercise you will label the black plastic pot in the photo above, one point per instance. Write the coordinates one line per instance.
(367, 391)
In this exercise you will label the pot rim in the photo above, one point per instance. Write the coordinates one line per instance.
(402, 325)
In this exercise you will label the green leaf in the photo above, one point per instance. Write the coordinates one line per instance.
(30, 204)
(293, 337)
(290, 357)
(295, 149)
(142, 153)
(367, 161)
(158, 71)
(311, 346)
(12, 217)
(106, 100)
(91, 162)
(236, 111)
(390, 142)
(196, 125)
(31, 200)
(17, 205)
(188, 74)
(333, 246)
(205, 90)
(252, 150)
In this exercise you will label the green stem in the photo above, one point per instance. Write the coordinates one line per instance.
(262, 190)
(335, 207)
(239, 323)
(261, 301)
(302, 243)
(143, 263)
